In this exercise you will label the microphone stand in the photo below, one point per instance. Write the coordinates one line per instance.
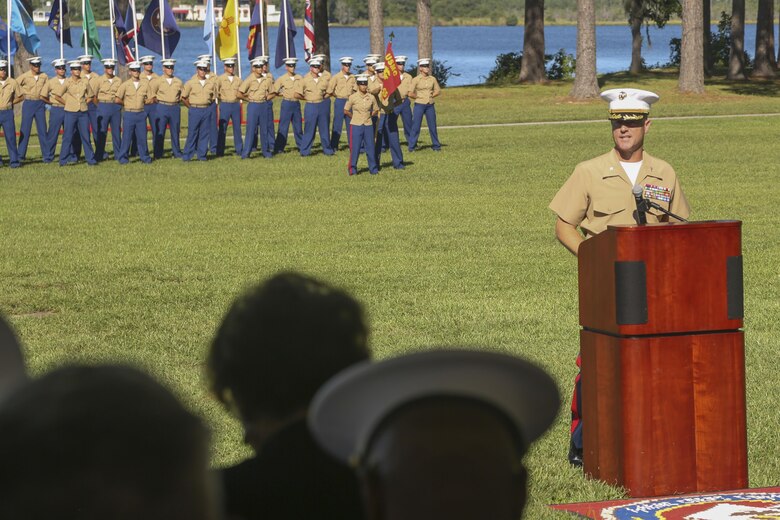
(647, 204)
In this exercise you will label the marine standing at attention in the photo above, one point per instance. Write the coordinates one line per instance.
(290, 111)
(405, 109)
(255, 90)
(77, 95)
(599, 194)
(325, 76)
(312, 90)
(361, 107)
(109, 114)
(341, 86)
(269, 106)
(134, 94)
(387, 124)
(423, 90)
(55, 87)
(229, 107)
(199, 95)
(148, 74)
(92, 78)
(10, 94)
(167, 91)
(33, 82)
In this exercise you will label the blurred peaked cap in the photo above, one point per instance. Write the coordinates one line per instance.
(348, 408)
(12, 372)
(206, 57)
(85, 58)
(74, 64)
(370, 60)
(229, 61)
(134, 65)
(315, 63)
(291, 61)
(379, 66)
(4, 64)
(146, 59)
(169, 62)
(401, 59)
(318, 56)
(59, 62)
(628, 101)
(361, 78)
(257, 62)
(346, 60)
(423, 61)
(108, 62)
(264, 59)
(35, 60)
(202, 63)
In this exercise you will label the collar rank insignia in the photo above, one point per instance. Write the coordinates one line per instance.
(651, 191)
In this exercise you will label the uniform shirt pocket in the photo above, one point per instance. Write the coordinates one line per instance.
(608, 206)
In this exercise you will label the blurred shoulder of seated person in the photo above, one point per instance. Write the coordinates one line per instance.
(437, 435)
(277, 344)
(102, 442)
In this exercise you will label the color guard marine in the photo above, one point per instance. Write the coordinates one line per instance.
(166, 90)
(312, 90)
(387, 124)
(55, 88)
(199, 95)
(256, 90)
(361, 108)
(424, 89)
(92, 78)
(109, 114)
(213, 131)
(134, 95)
(229, 107)
(341, 86)
(33, 83)
(269, 105)
(10, 94)
(290, 111)
(148, 75)
(77, 96)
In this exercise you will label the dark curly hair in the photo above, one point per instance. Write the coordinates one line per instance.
(282, 340)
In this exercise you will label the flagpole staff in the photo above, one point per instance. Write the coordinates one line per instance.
(84, 25)
(286, 39)
(113, 32)
(213, 43)
(8, 34)
(238, 37)
(261, 6)
(162, 27)
(62, 51)
(135, 28)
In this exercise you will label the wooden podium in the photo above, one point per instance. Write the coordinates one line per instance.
(663, 360)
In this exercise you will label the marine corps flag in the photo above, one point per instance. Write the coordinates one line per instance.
(392, 76)
(227, 37)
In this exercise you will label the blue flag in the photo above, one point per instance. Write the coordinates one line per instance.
(54, 21)
(124, 36)
(149, 32)
(4, 40)
(285, 39)
(208, 27)
(22, 24)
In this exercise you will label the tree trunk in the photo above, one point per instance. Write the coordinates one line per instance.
(706, 23)
(692, 51)
(765, 25)
(635, 21)
(772, 56)
(585, 83)
(321, 31)
(424, 29)
(376, 27)
(532, 66)
(737, 51)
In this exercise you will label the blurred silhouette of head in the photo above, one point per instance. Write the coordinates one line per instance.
(12, 371)
(92, 443)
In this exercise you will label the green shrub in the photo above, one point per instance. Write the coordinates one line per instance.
(511, 20)
(439, 70)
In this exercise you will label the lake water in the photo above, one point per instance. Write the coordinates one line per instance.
(470, 51)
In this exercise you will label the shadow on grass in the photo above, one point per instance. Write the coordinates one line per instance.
(748, 87)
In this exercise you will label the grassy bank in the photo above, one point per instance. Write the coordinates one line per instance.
(139, 263)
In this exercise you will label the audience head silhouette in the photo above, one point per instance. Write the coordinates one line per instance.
(12, 372)
(439, 434)
(92, 443)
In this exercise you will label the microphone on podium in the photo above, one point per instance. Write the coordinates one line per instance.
(641, 205)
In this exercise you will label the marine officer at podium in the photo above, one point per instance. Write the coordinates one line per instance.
(599, 193)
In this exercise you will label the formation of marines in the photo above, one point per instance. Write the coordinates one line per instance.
(85, 106)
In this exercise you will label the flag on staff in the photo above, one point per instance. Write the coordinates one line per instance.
(22, 24)
(124, 32)
(227, 37)
(208, 27)
(255, 40)
(149, 32)
(90, 32)
(392, 76)
(308, 33)
(4, 42)
(54, 21)
(285, 37)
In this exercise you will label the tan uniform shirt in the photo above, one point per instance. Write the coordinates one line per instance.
(286, 85)
(94, 80)
(374, 85)
(342, 85)
(199, 95)
(165, 92)
(32, 86)
(405, 86)
(134, 95)
(76, 94)
(107, 89)
(598, 193)
(257, 88)
(227, 89)
(9, 90)
(361, 106)
(326, 75)
(312, 88)
(55, 87)
(425, 88)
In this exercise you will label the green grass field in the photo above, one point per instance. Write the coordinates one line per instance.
(139, 263)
